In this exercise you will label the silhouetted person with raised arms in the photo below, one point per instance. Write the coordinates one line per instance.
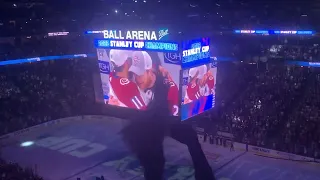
(145, 134)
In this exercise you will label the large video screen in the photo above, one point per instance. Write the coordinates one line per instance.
(129, 78)
(198, 90)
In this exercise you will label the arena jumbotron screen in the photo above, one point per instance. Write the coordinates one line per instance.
(130, 80)
(199, 78)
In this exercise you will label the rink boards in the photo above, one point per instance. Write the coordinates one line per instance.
(91, 146)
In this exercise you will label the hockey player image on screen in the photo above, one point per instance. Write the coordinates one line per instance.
(123, 92)
(193, 91)
(199, 94)
(145, 74)
(209, 81)
(206, 83)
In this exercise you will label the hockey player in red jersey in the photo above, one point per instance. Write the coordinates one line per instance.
(173, 95)
(123, 92)
(146, 73)
(173, 92)
(193, 90)
(208, 82)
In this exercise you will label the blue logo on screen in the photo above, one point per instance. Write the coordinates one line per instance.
(196, 45)
(172, 58)
(103, 43)
(214, 64)
(104, 67)
(185, 81)
(163, 34)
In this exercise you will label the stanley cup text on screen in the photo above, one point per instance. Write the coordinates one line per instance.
(135, 35)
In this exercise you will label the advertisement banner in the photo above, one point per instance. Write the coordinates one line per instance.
(58, 33)
(304, 63)
(259, 150)
(172, 58)
(301, 158)
(278, 154)
(104, 68)
(284, 155)
(198, 90)
(155, 35)
(136, 79)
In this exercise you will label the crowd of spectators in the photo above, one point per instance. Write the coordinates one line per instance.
(10, 171)
(34, 93)
(36, 16)
(277, 109)
(295, 52)
(240, 78)
(37, 92)
(301, 133)
(14, 171)
(264, 48)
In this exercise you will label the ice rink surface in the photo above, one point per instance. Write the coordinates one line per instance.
(93, 147)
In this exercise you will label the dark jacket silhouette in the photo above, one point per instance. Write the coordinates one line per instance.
(145, 135)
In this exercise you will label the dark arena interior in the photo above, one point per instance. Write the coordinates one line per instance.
(245, 75)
